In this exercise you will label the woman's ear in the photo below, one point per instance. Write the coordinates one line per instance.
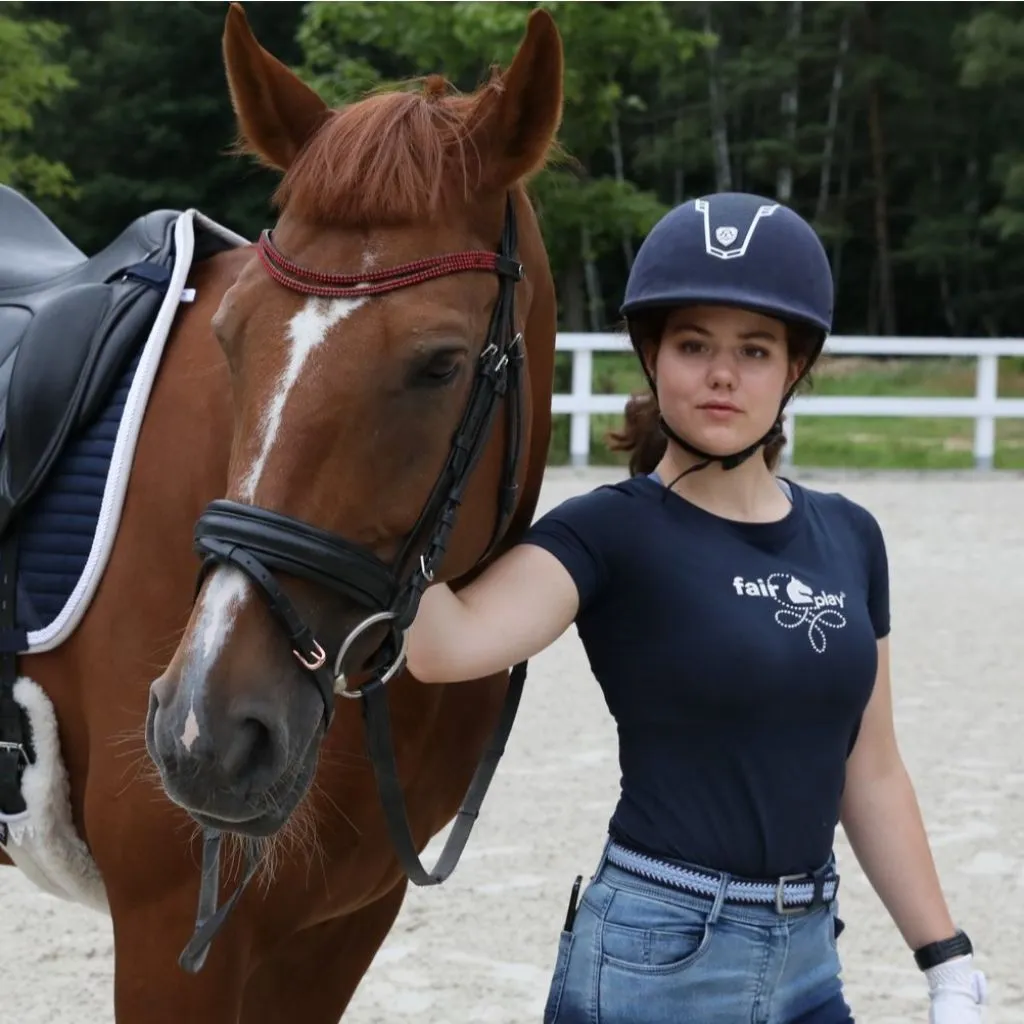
(649, 355)
(796, 369)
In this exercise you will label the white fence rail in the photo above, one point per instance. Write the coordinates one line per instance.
(984, 408)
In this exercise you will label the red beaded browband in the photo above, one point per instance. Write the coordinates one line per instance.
(346, 286)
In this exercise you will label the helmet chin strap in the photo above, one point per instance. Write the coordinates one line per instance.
(736, 458)
(727, 461)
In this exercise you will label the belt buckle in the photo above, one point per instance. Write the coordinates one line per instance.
(780, 885)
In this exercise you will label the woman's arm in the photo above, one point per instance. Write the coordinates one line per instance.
(522, 603)
(883, 823)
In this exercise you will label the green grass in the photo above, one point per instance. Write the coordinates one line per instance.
(849, 441)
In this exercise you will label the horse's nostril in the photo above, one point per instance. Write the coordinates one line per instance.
(160, 693)
(253, 755)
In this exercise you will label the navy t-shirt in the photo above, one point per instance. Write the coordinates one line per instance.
(736, 659)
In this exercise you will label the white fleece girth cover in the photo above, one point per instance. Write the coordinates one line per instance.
(42, 840)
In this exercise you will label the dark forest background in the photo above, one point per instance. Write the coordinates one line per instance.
(896, 128)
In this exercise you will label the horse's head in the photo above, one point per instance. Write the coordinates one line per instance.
(376, 357)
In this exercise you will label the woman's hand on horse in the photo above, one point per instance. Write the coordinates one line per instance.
(521, 604)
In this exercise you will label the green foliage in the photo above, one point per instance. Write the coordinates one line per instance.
(992, 47)
(898, 134)
(991, 50)
(30, 81)
(351, 48)
(150, 123)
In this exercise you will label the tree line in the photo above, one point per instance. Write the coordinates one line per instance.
(895, 128)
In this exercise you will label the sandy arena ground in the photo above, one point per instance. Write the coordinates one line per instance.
(480, 948)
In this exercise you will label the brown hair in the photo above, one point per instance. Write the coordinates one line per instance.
(641, 434)
(396, 156)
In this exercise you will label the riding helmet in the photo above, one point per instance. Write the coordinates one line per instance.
(736, 249)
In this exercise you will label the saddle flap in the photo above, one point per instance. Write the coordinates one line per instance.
(47, 372)
(13, 321)
(133, 307)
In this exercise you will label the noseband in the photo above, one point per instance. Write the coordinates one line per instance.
(260, 541)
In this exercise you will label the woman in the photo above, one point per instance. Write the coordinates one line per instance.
(738, 626)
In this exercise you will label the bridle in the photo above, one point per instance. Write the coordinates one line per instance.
(260, 541)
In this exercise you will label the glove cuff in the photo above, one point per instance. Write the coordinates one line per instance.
(958, 975)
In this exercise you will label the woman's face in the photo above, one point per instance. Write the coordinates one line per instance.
(721, 373)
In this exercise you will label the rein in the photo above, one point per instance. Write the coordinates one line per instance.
(259, 541)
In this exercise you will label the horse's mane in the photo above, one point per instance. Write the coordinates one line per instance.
(390, 158)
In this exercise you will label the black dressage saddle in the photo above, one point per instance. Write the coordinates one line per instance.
(68, 324)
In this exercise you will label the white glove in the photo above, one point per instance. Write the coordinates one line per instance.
(957, 990)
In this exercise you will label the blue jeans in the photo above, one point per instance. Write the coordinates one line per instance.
(639, 952)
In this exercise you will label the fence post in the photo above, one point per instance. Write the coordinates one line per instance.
(579, 431)
(986, 391)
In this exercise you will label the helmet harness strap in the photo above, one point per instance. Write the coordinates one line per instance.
(737, 458)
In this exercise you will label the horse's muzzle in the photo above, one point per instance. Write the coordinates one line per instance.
(244, 765)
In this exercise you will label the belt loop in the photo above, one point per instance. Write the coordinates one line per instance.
(716, 907)
(819, 878)
(603, 860)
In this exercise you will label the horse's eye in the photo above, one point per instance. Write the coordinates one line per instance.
(439, 368)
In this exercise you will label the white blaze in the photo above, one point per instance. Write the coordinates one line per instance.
(225, 594)
(228, 589)
(307, 330)
(191, 731)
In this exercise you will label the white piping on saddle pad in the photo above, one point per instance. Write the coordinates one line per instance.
(54, 634)
(42, 840)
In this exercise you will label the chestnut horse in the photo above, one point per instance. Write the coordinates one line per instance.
(351, 408)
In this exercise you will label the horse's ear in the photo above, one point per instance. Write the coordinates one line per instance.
(519, 120)
(276, 111)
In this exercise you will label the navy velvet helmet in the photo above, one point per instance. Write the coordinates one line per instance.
(736, 249)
